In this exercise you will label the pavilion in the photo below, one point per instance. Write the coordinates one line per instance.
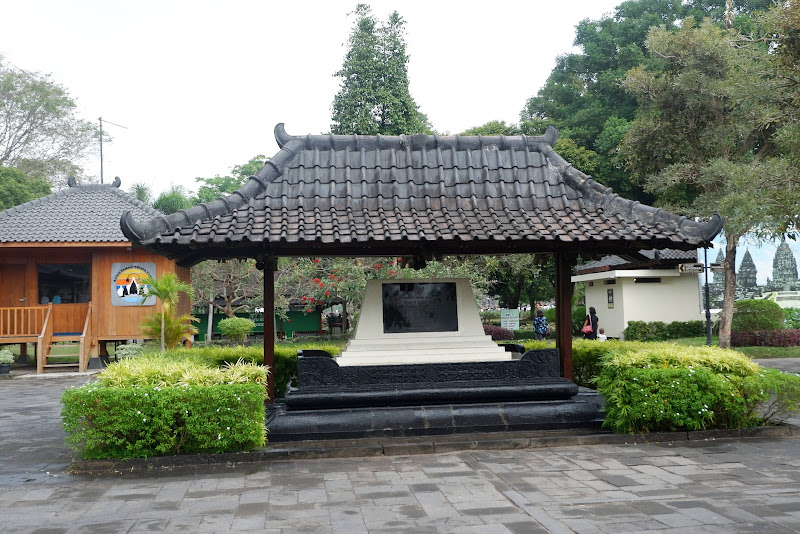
(424, 197)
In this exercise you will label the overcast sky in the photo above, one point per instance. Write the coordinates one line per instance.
(199, 85)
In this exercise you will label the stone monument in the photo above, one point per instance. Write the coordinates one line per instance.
(419, 321)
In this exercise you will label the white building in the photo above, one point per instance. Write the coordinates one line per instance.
(654, 290)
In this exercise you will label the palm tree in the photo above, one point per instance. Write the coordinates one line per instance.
(165, 289)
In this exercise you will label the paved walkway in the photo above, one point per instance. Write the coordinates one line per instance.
(712, 485)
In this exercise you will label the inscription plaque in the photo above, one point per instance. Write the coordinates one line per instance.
(419, 307)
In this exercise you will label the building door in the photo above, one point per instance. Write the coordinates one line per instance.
(12, 286)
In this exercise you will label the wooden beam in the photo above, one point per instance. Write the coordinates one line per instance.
(270, 265)
(563, 268)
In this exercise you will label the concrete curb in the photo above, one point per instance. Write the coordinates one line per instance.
(302, 450)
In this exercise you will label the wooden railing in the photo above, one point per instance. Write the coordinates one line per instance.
(22, 322)
(86, 338)
(45, 338)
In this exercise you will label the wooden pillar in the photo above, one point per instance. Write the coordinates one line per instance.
(563, 267)
(270, 265)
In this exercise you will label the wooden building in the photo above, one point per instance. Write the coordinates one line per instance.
(421, 197)
(68, 274)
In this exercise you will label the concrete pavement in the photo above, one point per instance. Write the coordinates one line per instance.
(709, 484)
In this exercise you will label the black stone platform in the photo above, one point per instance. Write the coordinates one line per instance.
(333, 402)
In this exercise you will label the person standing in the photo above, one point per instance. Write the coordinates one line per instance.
(591, 320)
(540, 325)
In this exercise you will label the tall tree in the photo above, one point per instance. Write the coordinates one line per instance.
(583, 96)
(16, 188)
(374, 97)
(40, 134)
(703, 140)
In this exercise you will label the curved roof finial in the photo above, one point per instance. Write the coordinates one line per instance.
(281, 136)
(72, 182)
(117, 182)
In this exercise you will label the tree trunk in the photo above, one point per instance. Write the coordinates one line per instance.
(210, 329)
(731, 241)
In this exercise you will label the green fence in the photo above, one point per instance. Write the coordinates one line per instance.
(295, 322)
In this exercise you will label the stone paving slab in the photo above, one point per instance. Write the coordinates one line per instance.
(731, 482)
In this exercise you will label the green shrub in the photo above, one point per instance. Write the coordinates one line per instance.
(791, 318)
(660, 331)
(666, 387)
(522, 335)
(6, 356)
(285, 357)
(111, 422)
(236, 328)
(498, 333)
(578, 317)
(128, 350)
(758, 314)
(163, 370)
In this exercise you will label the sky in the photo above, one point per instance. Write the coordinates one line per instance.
(199, 85)
(190, 88)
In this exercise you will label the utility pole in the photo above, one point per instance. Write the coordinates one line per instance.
(101, 144)
(101, 150)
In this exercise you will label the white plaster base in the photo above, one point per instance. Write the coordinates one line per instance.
(371, 346)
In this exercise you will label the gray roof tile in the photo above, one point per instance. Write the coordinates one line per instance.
(340, 195)
(87, 213)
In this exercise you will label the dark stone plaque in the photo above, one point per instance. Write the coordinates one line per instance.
(419, 307)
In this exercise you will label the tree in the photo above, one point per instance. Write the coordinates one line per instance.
(40, 134)
(374, 97)
(317, 283)
(583, 96)
(213, 188)
(230, 286)
(173, 328)
(703, 140)
(142, 192)
(16, 188)
(173, 200)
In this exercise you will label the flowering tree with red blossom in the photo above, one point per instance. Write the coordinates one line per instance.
(319, 283)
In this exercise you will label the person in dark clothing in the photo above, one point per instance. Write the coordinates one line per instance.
(592, 320)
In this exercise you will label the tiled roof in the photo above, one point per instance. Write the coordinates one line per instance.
(417, 194)
(652, 258)
(79, 213)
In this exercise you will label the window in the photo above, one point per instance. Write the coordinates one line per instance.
(647, 280)
(610, 282)
(62, 283)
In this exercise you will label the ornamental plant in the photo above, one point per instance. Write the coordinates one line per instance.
(158, 404)
(236, 328)
(6, 357)
(759, 314)
(166, 325)
(666, 387)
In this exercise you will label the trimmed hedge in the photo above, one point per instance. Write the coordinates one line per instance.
(111, 422)
(766, 338)
(660, 331)
(665, 387)
(498, 333)
(236, 328)
(760, 314)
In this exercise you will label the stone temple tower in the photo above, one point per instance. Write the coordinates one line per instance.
(784, 268)
(746, 277)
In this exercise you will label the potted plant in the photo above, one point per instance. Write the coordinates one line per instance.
(6, 359)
